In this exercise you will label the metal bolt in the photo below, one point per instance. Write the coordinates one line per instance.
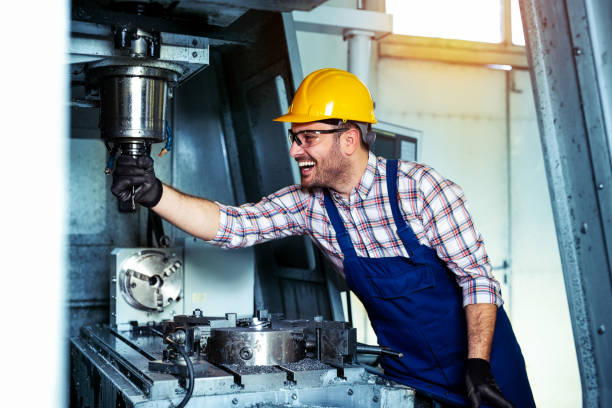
(113, 314)
(197, 312)
(600, 186)
(194, 54)
(601, 329)
(246, 353)
(235, 401)
(375, 398)
(350, 391)
(294, 396)
(584, 228)
(577, 51)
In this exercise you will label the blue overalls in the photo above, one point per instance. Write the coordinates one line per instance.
(415, 306)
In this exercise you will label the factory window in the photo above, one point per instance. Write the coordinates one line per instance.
(478, 32)
(518, 37)
(471, 20)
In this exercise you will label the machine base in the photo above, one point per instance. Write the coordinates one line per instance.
(110, 368)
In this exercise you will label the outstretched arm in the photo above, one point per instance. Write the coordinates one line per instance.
(276, 216)
(196, 216)
(135, 175)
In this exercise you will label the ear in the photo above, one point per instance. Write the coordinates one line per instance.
(350, 141)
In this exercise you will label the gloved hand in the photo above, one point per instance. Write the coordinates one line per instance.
(481, 385)
(136, 172)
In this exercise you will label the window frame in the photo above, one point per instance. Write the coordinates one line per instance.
(458, 51)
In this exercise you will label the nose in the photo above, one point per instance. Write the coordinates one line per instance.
(295, 150)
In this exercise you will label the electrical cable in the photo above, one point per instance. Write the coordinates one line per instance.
(110, 165)
(169, 141)
(349, 308)
(187, 397)
(188, 362)
(150, 230)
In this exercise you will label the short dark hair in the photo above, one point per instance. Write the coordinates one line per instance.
(365, 129)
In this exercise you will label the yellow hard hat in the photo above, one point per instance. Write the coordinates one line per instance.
(330, 93)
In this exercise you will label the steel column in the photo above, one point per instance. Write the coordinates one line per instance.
(568, 95)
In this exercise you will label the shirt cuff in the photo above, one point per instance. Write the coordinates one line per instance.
(223, 237)
(481, 289)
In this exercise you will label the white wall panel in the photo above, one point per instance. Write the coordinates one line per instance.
(540, 312)
(321, 51)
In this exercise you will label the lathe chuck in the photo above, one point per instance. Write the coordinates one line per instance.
(151, 280)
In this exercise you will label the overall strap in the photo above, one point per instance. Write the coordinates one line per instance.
(411, 243)
(341, 233)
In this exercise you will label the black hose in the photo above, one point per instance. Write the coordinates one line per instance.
(367, 349)
(178, 348)
(349, 308)
(183, 353)
(155, 230)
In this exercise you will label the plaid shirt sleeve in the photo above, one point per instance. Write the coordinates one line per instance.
(451, 232)
(278, 215)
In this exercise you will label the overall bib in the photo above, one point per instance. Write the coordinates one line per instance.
(415, 306)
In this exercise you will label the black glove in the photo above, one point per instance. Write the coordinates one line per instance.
(481, 385)
(136, 172)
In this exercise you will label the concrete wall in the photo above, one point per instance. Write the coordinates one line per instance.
(462, 111)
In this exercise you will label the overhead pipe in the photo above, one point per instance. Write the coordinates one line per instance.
(359, 49)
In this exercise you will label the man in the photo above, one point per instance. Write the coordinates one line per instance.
(398, 231)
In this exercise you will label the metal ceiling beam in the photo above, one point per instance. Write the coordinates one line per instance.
(570, 96)
(336, 20)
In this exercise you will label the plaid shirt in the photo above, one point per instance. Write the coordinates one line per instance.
(433, 205)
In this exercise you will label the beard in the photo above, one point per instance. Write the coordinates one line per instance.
(329, 171)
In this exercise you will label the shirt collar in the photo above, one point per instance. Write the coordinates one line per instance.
(369, 175)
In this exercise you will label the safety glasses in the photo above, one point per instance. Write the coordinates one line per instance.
(309, 138)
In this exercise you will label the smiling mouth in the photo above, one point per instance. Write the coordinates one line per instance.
(306, 167)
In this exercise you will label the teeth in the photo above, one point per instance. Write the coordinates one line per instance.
(306, 163)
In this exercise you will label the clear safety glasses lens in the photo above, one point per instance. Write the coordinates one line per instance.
(308, 138)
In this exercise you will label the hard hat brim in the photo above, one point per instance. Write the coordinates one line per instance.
(296, 118)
